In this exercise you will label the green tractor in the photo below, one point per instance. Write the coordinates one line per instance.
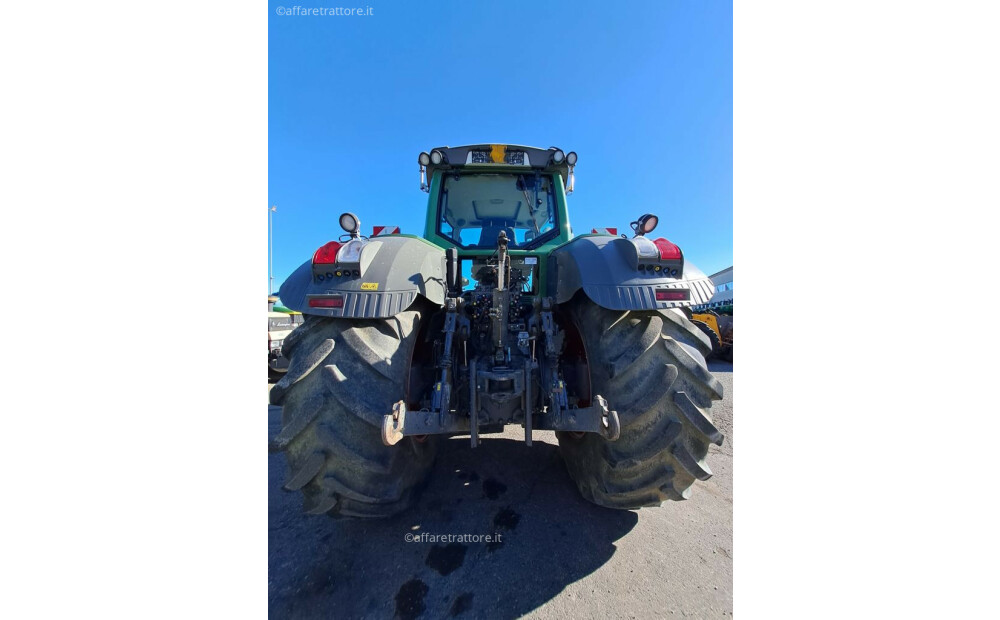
(497, 315)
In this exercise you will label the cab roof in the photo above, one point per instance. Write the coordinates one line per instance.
(507, 156)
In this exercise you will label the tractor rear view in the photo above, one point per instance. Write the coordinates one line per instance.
(495, 316)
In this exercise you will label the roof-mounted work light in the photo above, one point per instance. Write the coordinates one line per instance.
(571, 181)
(424, 160)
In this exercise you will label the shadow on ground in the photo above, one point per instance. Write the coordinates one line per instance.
(717, 365)
(319, 567)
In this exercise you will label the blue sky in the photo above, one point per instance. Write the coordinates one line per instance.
(642, 93)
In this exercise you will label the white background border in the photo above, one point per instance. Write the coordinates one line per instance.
(135, 168)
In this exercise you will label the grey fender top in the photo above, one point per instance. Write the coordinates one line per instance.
(394, 271)
(606, 269)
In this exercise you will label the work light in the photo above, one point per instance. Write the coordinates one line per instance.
(350, 223)
(645, 224)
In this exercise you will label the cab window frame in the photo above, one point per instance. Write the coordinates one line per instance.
(534, 243)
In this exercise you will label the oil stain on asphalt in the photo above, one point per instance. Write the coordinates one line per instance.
(506, 519)
(446, 560)
(462, 604)
(493, 488)
(410, 599)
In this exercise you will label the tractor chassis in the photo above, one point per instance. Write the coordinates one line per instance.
(405, 423)
(500, 391)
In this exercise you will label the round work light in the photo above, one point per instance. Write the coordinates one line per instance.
(647, 223)
(350, 223)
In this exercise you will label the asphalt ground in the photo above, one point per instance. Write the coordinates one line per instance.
(558, 556)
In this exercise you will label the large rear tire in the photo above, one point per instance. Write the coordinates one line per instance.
(344, 375)
(650, 366)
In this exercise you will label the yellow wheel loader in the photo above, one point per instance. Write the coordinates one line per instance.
(719, 329)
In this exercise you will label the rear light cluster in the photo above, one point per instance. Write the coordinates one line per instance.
(334, 301)
(670, 263)
(327, 255)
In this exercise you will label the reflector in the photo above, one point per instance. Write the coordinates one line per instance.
(327, 302)
(678, 294)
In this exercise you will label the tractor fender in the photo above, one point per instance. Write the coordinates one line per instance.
(607, 269)
(394, 271)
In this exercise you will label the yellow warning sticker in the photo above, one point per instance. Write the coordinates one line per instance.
(369, 286)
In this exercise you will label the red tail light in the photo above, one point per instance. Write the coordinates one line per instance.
(327, 255)
(677, 294)
(327, 302)
(668, 251)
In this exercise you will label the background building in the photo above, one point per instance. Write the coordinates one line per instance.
(723, 296)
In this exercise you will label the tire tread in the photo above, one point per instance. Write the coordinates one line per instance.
(343, 376)
(650, 366)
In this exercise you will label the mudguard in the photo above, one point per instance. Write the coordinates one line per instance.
(607, 269)
(394, 271)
